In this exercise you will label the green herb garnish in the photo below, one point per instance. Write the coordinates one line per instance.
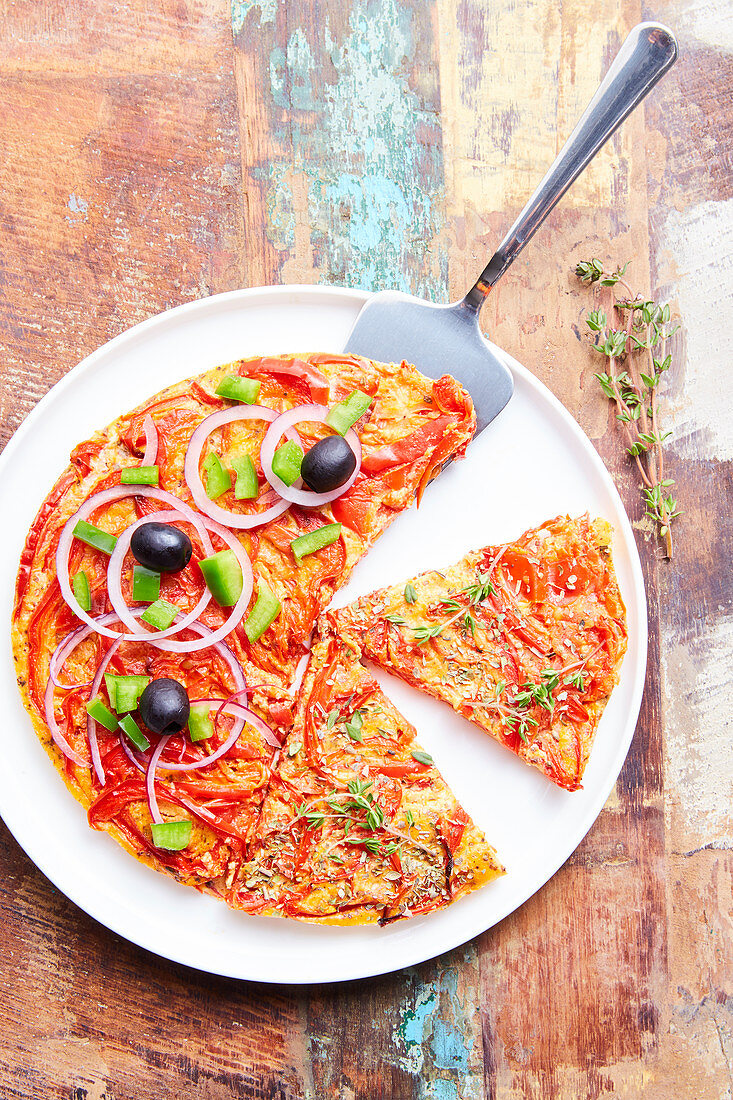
(421, 756)
(641, 343)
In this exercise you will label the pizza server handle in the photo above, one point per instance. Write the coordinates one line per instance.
(646, 55)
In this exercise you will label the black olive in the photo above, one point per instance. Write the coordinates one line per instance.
(164, 706)
(329, 463)
(161, 547)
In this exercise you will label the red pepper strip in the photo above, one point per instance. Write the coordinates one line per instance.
(450, 397)
(248, 903)
(201, 395)
(409, 448)
(83, 456)
(317, 383)
(306, 842)
(354, 508)
(397, 771)
(318, 693)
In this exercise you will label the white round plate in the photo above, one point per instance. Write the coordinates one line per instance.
(532, 463)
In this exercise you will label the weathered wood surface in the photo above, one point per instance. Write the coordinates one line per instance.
(155, 152)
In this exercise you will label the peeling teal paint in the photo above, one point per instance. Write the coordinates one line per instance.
(440, 1089)
(301, 66)
(278, 77)
(448, 1046)
(373, 223)
(280, 226)
(413, 1025)
(241, 9)
(439, 1029)
(364, 146)
(77, 206)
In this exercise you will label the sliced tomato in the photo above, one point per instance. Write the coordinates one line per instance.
(453, 828)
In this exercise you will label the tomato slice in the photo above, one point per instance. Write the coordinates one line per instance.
(452, 829)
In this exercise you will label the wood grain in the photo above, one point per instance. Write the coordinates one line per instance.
(155, 153)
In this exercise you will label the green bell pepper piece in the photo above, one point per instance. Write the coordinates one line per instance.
(171, 835)
(124, 691)
(235, 388)
(218, 480)
(223, 574)
(102, 714)
(145, 584)
(315, 540)
(82, 591)
(140, 475)
(134, 733)
(344, 415)
(246, 486)
(160, 614)
(95, 536)
(286, 462)
(200, 726)
(263, 614)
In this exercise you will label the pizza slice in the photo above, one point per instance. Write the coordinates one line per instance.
(525, 639)
(358, 826)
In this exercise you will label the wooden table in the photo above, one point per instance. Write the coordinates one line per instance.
(154, 151)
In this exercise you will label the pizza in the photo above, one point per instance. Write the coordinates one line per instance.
(524, 639)
(358, 826)
(172, 578)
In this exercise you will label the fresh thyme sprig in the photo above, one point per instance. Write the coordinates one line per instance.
(641, 339)
(475, 595)
(359, 810)
(515, 708)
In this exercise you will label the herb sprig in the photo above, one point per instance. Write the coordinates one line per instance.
(475, 594)
(639, 342)
(516, 707)
(355, 809)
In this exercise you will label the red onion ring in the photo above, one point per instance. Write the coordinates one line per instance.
(236, 710)
(61, 654)
(172, 645)
(150, 780)
(56, 733)
(193, 477)
(97, 500)
(151, 442)
(78, 637)
(275, 432)
(114, 578)
(204, 632)
(130, 754)
(91, 722)
(199, 811)
(269, 735)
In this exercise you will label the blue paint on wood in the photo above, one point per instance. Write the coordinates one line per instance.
(266, 10)
(449, 1048)
(362, 145)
